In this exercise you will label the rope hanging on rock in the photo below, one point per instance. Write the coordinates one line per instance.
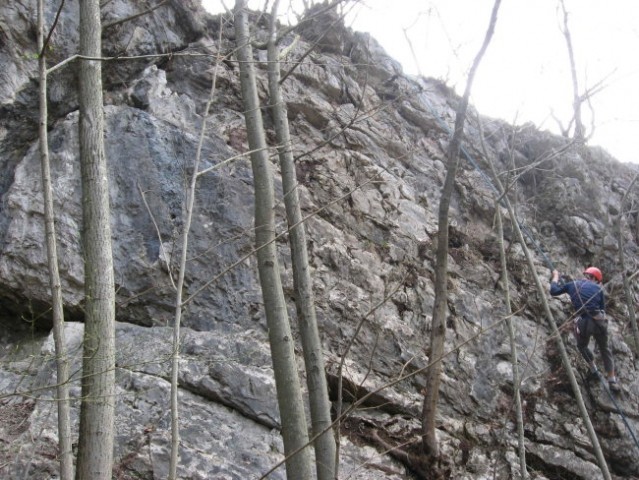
(619, 411)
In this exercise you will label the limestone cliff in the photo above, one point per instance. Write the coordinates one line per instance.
(369, 143)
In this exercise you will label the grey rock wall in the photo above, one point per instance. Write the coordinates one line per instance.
(370, 146)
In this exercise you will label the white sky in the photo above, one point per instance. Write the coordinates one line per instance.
(525, 74)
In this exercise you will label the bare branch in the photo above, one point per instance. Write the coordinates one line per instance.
(133, 17)
(55, 22)
(164, 255)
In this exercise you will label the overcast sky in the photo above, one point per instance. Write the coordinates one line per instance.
(525, 74)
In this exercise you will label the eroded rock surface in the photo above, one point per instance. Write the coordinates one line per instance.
(370, 145)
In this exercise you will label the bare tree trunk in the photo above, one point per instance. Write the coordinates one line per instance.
(289, 394)
(505, 284)
(579, 134)
(62, 359)
(513, 345)
(319, 403)
(630, 304)
(438, 332)
(188, 218)
(95, 454)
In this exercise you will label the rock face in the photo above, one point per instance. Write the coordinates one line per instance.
(370, 145)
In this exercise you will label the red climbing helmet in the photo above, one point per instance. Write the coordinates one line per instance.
(595, 272)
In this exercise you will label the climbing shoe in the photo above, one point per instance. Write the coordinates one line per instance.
(614, 386)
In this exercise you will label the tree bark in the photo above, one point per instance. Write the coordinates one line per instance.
(95, 449)
(320, 407)
(438, 330)
(289, 394)
(62, 359)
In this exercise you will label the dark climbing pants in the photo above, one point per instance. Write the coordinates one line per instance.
(587, 327)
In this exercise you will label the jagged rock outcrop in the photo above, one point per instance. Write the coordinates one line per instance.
(370, 146)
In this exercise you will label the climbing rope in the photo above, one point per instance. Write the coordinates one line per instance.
(619, 411)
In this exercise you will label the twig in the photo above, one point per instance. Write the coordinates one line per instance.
(133, 17)
(55, 23)
(165, 257)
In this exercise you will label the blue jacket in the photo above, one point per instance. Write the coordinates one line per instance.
(586, 296)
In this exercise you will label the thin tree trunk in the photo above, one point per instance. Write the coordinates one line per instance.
(175, 358)
(438, 331)
(95, 454)
(289, 394)
(513, 345)
(630, 304)
(62, 359)
(579, 133)
(319, 403)
(505, 283)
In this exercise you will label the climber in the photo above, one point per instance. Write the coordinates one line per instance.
(588, 300)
